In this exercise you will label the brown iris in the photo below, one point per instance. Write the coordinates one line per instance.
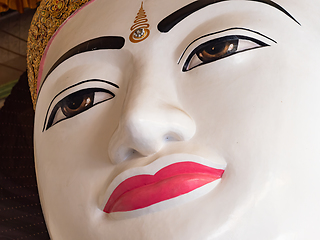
(210, 52)
(219, 48)
(76, 103)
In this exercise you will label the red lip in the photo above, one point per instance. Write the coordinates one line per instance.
(169, 182)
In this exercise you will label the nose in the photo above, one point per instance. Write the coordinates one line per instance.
(152, 117)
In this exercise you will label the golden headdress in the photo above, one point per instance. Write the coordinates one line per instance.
(47, 19)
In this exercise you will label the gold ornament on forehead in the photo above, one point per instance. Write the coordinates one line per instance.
(140, 27)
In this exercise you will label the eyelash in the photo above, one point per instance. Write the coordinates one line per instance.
(219, 48)
(76, 103)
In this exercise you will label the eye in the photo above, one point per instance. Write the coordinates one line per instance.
(77, 103)
(219, 48)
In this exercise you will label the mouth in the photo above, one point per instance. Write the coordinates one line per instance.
(167, 178)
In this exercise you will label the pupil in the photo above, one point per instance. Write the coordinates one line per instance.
(217, 48)
(222, 47)
(74, 102)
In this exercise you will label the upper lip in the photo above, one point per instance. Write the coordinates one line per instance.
(165, 174)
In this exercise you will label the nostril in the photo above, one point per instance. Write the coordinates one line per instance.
(169, 138)
(132, 154)
(173, 136)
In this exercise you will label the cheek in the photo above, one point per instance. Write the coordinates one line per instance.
(234, 92)
(72, 163)
(253, 109)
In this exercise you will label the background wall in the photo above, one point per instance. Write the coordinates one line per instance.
(13, 46)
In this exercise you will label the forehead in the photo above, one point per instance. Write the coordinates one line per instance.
(114, 18)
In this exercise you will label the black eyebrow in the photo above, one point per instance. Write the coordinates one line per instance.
(106, 42)
(170, 21)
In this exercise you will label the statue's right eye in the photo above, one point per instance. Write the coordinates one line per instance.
(76, 103)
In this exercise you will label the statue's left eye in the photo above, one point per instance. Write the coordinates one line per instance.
(77, 103)
(219, 48)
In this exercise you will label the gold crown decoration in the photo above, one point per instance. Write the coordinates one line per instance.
(47, 19)
(140, 27)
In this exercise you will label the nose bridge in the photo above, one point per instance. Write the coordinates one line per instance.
(152, 116)
(150, 93)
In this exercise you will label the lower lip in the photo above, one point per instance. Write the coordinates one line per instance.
(141, 191)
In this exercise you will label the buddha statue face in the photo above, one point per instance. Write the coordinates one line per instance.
(181, 120)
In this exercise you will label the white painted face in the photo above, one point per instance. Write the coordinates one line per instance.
(234, 85)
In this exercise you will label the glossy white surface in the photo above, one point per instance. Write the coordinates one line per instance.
(258, 111)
